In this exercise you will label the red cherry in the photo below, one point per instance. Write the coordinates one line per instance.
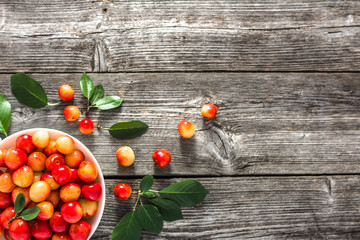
(54, 160)
(24, 142)
(209, 110)
(122, 191)
(61, 174)
(92, 192)
(71, 212)
(162, 158)
(41, 230)
(58, 224)
(86, 126)
(19, 229)
(74, 177)
(80, 230)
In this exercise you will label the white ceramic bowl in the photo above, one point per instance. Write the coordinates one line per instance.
(94, 220)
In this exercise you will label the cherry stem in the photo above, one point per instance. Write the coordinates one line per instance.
(99, 126)
(53, 104)
(137, 200)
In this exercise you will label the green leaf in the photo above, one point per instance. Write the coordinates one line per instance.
(98, 94)
(19, 203)
(28, 91)
(86, 86)
(146, 183)
(30, 213)
(169, 210)
(150, 218)
(127, 130)
(128, 228)
(186, 193)
(109, 102)
(5, 114)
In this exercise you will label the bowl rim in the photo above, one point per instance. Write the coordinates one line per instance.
(93, 159)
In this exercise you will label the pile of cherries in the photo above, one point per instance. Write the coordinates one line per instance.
(54, 176)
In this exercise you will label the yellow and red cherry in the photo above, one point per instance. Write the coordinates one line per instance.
(66, 92)
(209, 110)
(70, 192)
(122, 191)
(162, 158)
(51, 148)
(125, 156)
(74, 159)
(46, 210)
(86, 126)
(186, 129)
(15, 158)
(65, 144)
(87, 171)
(39, 191)
(71, 113)
(47, 177)
(36, 161)
(23, 176)
(41, 139)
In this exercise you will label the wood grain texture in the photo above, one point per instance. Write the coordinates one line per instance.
(114, 36)
(267, 123)
(256, 208)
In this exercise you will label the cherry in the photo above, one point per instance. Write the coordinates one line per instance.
(61, 174)
(122, 191)
(209, 110)
(2, 157)
(36, 161)
(58, 224)
(54, 160)
(87, 171)
(41, 230)
(15, 158)
(66, 92)
(41, 139)
(162, 158)
(6, 215)
(186, 129)
(46, 210)
(125, 156)
(19, 229)
(92, 192)
(80, 230)
(74, 159)
(71, 113)
(39, 191)
(65, 144)
(5, 200)
(24, 142)
(86, 126)
(71, 212)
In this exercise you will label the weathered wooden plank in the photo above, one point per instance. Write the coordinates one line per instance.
(268, 123)
(63, 36)
(257, 208)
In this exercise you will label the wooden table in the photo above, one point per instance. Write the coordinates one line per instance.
(282, 157)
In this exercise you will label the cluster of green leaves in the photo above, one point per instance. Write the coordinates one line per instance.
(95, 95)
(30, 93)
(150, 217)
(27, 214)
